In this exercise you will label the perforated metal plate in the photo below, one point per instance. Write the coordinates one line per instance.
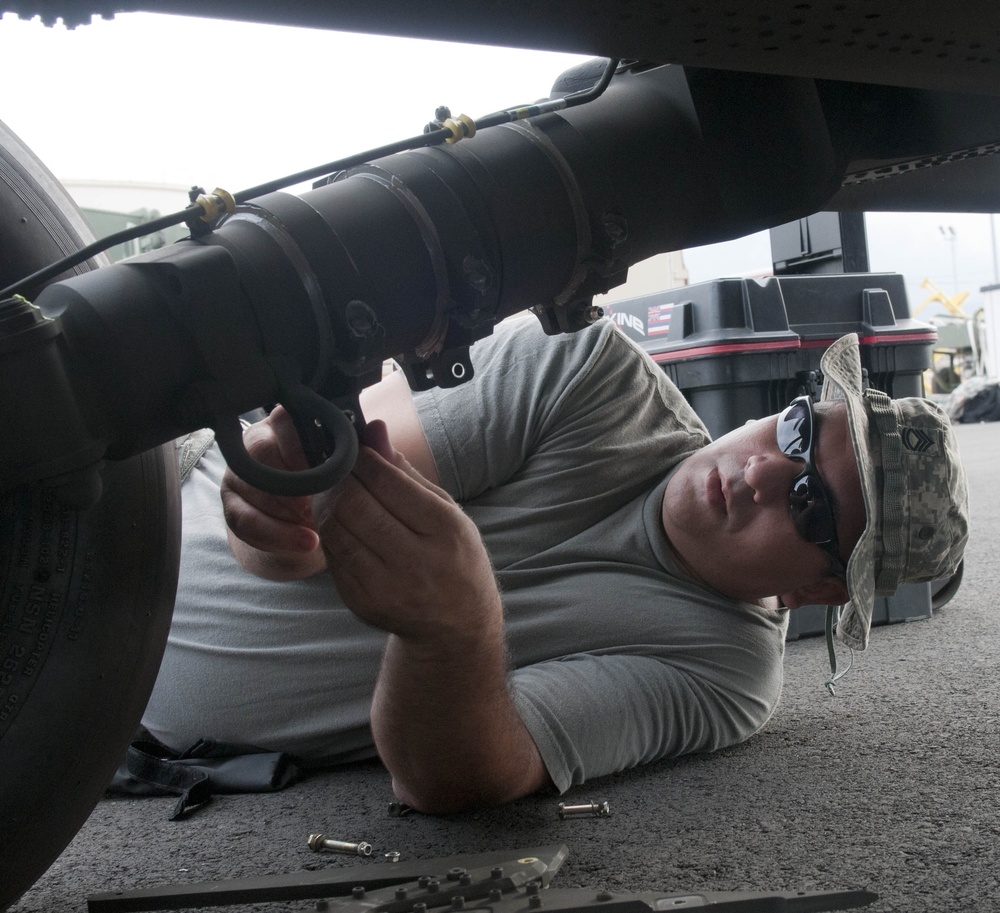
(950, 46)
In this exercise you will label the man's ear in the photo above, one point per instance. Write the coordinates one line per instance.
(826, 591)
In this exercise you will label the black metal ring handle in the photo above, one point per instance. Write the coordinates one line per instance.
(304, 406)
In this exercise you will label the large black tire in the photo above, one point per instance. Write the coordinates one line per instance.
(85, 596)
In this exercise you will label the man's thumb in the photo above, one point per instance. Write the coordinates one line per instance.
(376, 436)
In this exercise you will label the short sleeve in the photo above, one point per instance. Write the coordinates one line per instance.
(591, 715)
(582, 422)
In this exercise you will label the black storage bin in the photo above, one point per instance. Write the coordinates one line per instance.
(741, 349)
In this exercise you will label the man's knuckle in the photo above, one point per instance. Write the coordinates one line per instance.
(231, 508)
(343, 552)
(242, 529)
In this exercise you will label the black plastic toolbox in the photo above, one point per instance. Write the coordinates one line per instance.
(741, 349)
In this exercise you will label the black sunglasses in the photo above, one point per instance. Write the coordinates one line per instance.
(809, 501)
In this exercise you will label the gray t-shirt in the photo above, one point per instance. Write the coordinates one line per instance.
(560, 450)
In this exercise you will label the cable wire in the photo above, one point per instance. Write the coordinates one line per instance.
(98, 247)
(455, 130)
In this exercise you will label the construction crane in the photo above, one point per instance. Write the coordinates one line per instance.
(951, 304)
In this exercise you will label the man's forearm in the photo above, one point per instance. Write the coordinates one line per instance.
(406, 559)
(447, 729)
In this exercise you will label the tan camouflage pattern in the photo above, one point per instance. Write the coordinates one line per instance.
(914, 486)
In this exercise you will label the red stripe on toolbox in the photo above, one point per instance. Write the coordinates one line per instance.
(742, 348)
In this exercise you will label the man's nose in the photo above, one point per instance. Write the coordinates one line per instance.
(770, 476)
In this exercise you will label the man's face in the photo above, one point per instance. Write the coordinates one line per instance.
(726, 512)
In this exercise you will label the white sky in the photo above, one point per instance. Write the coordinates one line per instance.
(182, 101)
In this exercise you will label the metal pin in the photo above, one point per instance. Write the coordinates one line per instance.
(319, 842)
(590, 810)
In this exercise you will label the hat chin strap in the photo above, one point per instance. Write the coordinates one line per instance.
(832, 619)
(889, 565)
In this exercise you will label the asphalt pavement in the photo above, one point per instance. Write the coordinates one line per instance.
(890, 786)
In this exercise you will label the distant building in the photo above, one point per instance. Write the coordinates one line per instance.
(657, 274)
(111, 206)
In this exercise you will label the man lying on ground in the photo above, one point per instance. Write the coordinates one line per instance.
(547, 574)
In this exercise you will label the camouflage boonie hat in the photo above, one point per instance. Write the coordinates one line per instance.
(915, 491)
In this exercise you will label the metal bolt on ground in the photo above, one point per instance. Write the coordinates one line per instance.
(589, 810)
(318, 842)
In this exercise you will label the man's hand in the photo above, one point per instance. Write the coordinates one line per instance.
(275, 537)
(271, 536)
(403, 555)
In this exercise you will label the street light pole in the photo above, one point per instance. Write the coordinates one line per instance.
(993, 249)
(951, 236)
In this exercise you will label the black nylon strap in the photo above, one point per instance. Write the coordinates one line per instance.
(203, 770)
(189, 782)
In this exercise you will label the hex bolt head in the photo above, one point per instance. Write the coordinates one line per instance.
(478, 274)
(615, 228)
(362, 321)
